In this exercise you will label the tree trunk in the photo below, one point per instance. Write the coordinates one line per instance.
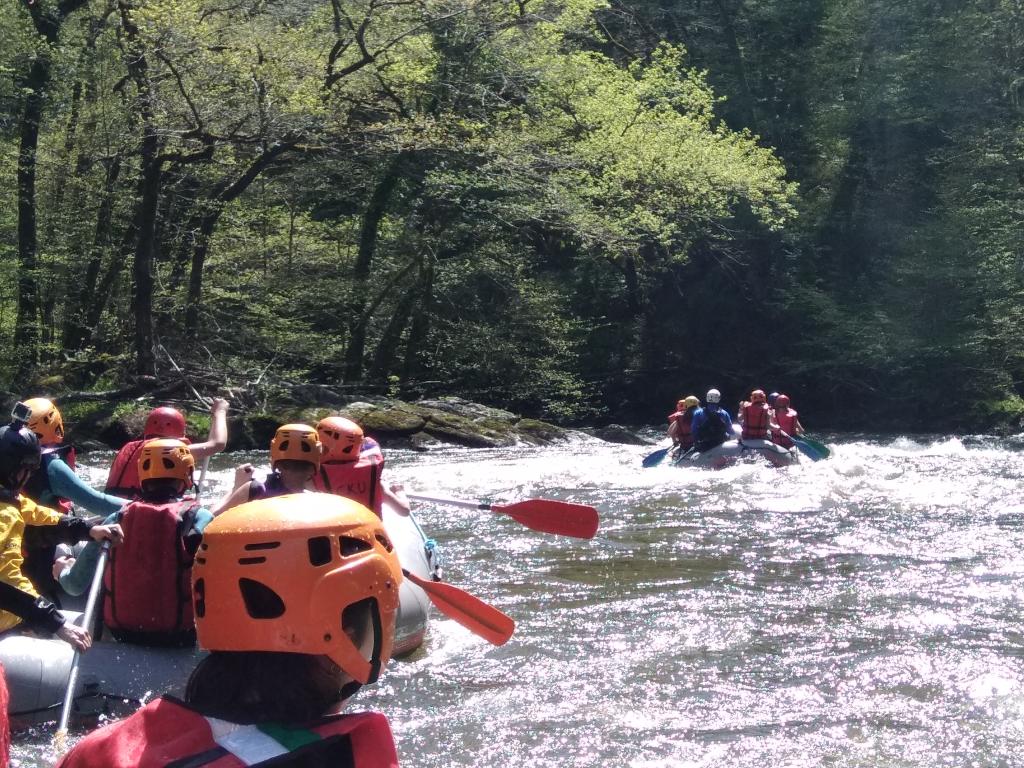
(224, 193)
(145, 245)
(76, 327)
(26, 326)
(419, 329)
(372, 217)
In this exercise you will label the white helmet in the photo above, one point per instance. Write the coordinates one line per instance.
(713, 396)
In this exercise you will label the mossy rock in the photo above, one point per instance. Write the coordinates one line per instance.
(540, 432)
(470, 410)
(463, 431)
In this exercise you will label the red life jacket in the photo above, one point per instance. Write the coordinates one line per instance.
(787, 421)
(123, 479)
(167, 734)
(684, 428)
(755, 421)
(357, 480)
(149, 580)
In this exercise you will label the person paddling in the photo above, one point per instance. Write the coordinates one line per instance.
(787, 421)
(165, 422)
(353, 465)
(21, 606)
(295, 455)
(147, 597)
(711, 424)
(756, 417)
(296, 599)
(680, 427)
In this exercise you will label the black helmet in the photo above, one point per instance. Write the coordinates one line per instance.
(771, 398)
(19, 448)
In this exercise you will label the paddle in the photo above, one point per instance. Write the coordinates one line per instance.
(821, 448)
(471, 612)
(60, 737)
(806, 448)
(654, 459)
(548, 515)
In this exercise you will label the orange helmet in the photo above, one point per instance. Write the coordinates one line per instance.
(758, 396)
(166, 458)
(45, 421)
(342, 438)
(296, 442)
(680, 405)
(308, 573)
(782, 402)
(164, 422)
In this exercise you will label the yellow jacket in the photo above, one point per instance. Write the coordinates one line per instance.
(13, 519)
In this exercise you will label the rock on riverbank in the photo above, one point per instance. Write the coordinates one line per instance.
(394, 423)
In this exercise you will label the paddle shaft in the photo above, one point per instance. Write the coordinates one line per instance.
(451, 502)
(87, 616)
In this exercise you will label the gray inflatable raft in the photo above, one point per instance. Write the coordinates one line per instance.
(114, 678)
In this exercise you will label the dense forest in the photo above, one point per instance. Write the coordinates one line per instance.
(577, 209)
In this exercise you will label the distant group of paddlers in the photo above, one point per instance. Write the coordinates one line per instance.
(762, 417)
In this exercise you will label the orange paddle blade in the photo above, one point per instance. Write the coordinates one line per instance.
(552, 516)
(471, 612)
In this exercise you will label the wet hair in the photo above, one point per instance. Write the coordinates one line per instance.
(249, 687)
(162, 488)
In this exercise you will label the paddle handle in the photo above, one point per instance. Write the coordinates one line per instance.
(449, 502)
(87, 616)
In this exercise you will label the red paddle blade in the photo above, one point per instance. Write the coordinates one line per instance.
(551, 516)
(474, 614)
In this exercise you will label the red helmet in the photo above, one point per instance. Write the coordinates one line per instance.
(165, 422)
(758, 396)
(782, 402)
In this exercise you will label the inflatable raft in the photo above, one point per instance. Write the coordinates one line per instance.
(114, 678)
(732, 451)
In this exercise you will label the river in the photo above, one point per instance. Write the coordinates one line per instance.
(860, 611)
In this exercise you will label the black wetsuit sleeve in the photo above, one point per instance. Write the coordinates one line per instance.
(38, 612)
(68, 530)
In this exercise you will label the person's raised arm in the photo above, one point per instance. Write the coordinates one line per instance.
(217, 440)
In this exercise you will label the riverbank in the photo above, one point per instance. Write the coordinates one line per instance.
(418, 425)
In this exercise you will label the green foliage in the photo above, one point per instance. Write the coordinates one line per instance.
(565, 207)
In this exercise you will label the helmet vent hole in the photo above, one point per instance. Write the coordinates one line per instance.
(261, 601)
(319, 550)
(146, 464)
(350, 546)
(168, 464)
(384, 541)
(261, 545)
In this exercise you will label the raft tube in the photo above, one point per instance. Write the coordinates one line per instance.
(732, 451)
(115, 678)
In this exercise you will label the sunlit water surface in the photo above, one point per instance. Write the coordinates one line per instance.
(860, 611)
